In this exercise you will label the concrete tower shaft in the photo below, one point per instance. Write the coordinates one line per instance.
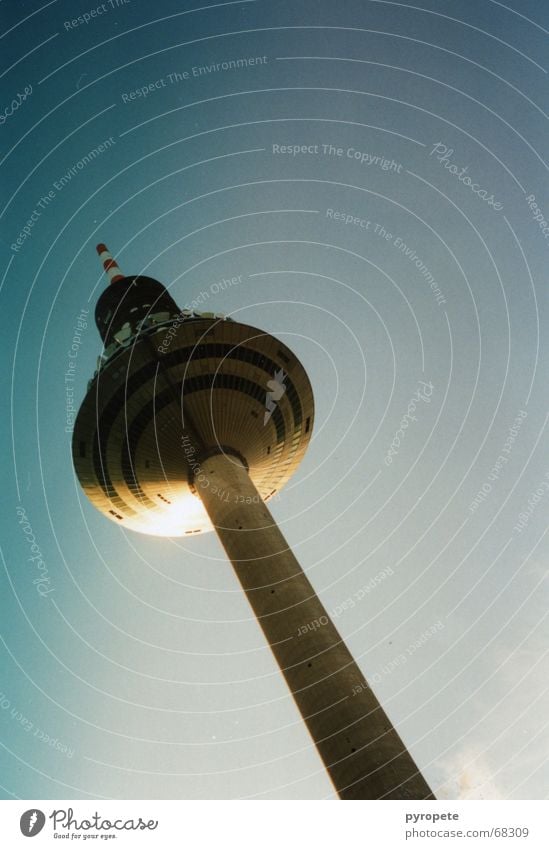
(364, 756)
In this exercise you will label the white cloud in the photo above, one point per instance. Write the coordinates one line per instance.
(469, 776)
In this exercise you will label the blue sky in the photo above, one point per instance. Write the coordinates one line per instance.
(372, 155)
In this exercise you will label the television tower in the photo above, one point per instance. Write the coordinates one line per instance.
(191, 422)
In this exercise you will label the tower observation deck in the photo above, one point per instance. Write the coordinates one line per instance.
(191, 423)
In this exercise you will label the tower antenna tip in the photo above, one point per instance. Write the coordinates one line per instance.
(110, 265)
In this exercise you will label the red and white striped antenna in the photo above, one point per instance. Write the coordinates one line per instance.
(109, 264)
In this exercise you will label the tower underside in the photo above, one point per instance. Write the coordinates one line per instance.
(130, 446)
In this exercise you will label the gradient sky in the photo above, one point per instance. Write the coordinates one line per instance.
(141, 673)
